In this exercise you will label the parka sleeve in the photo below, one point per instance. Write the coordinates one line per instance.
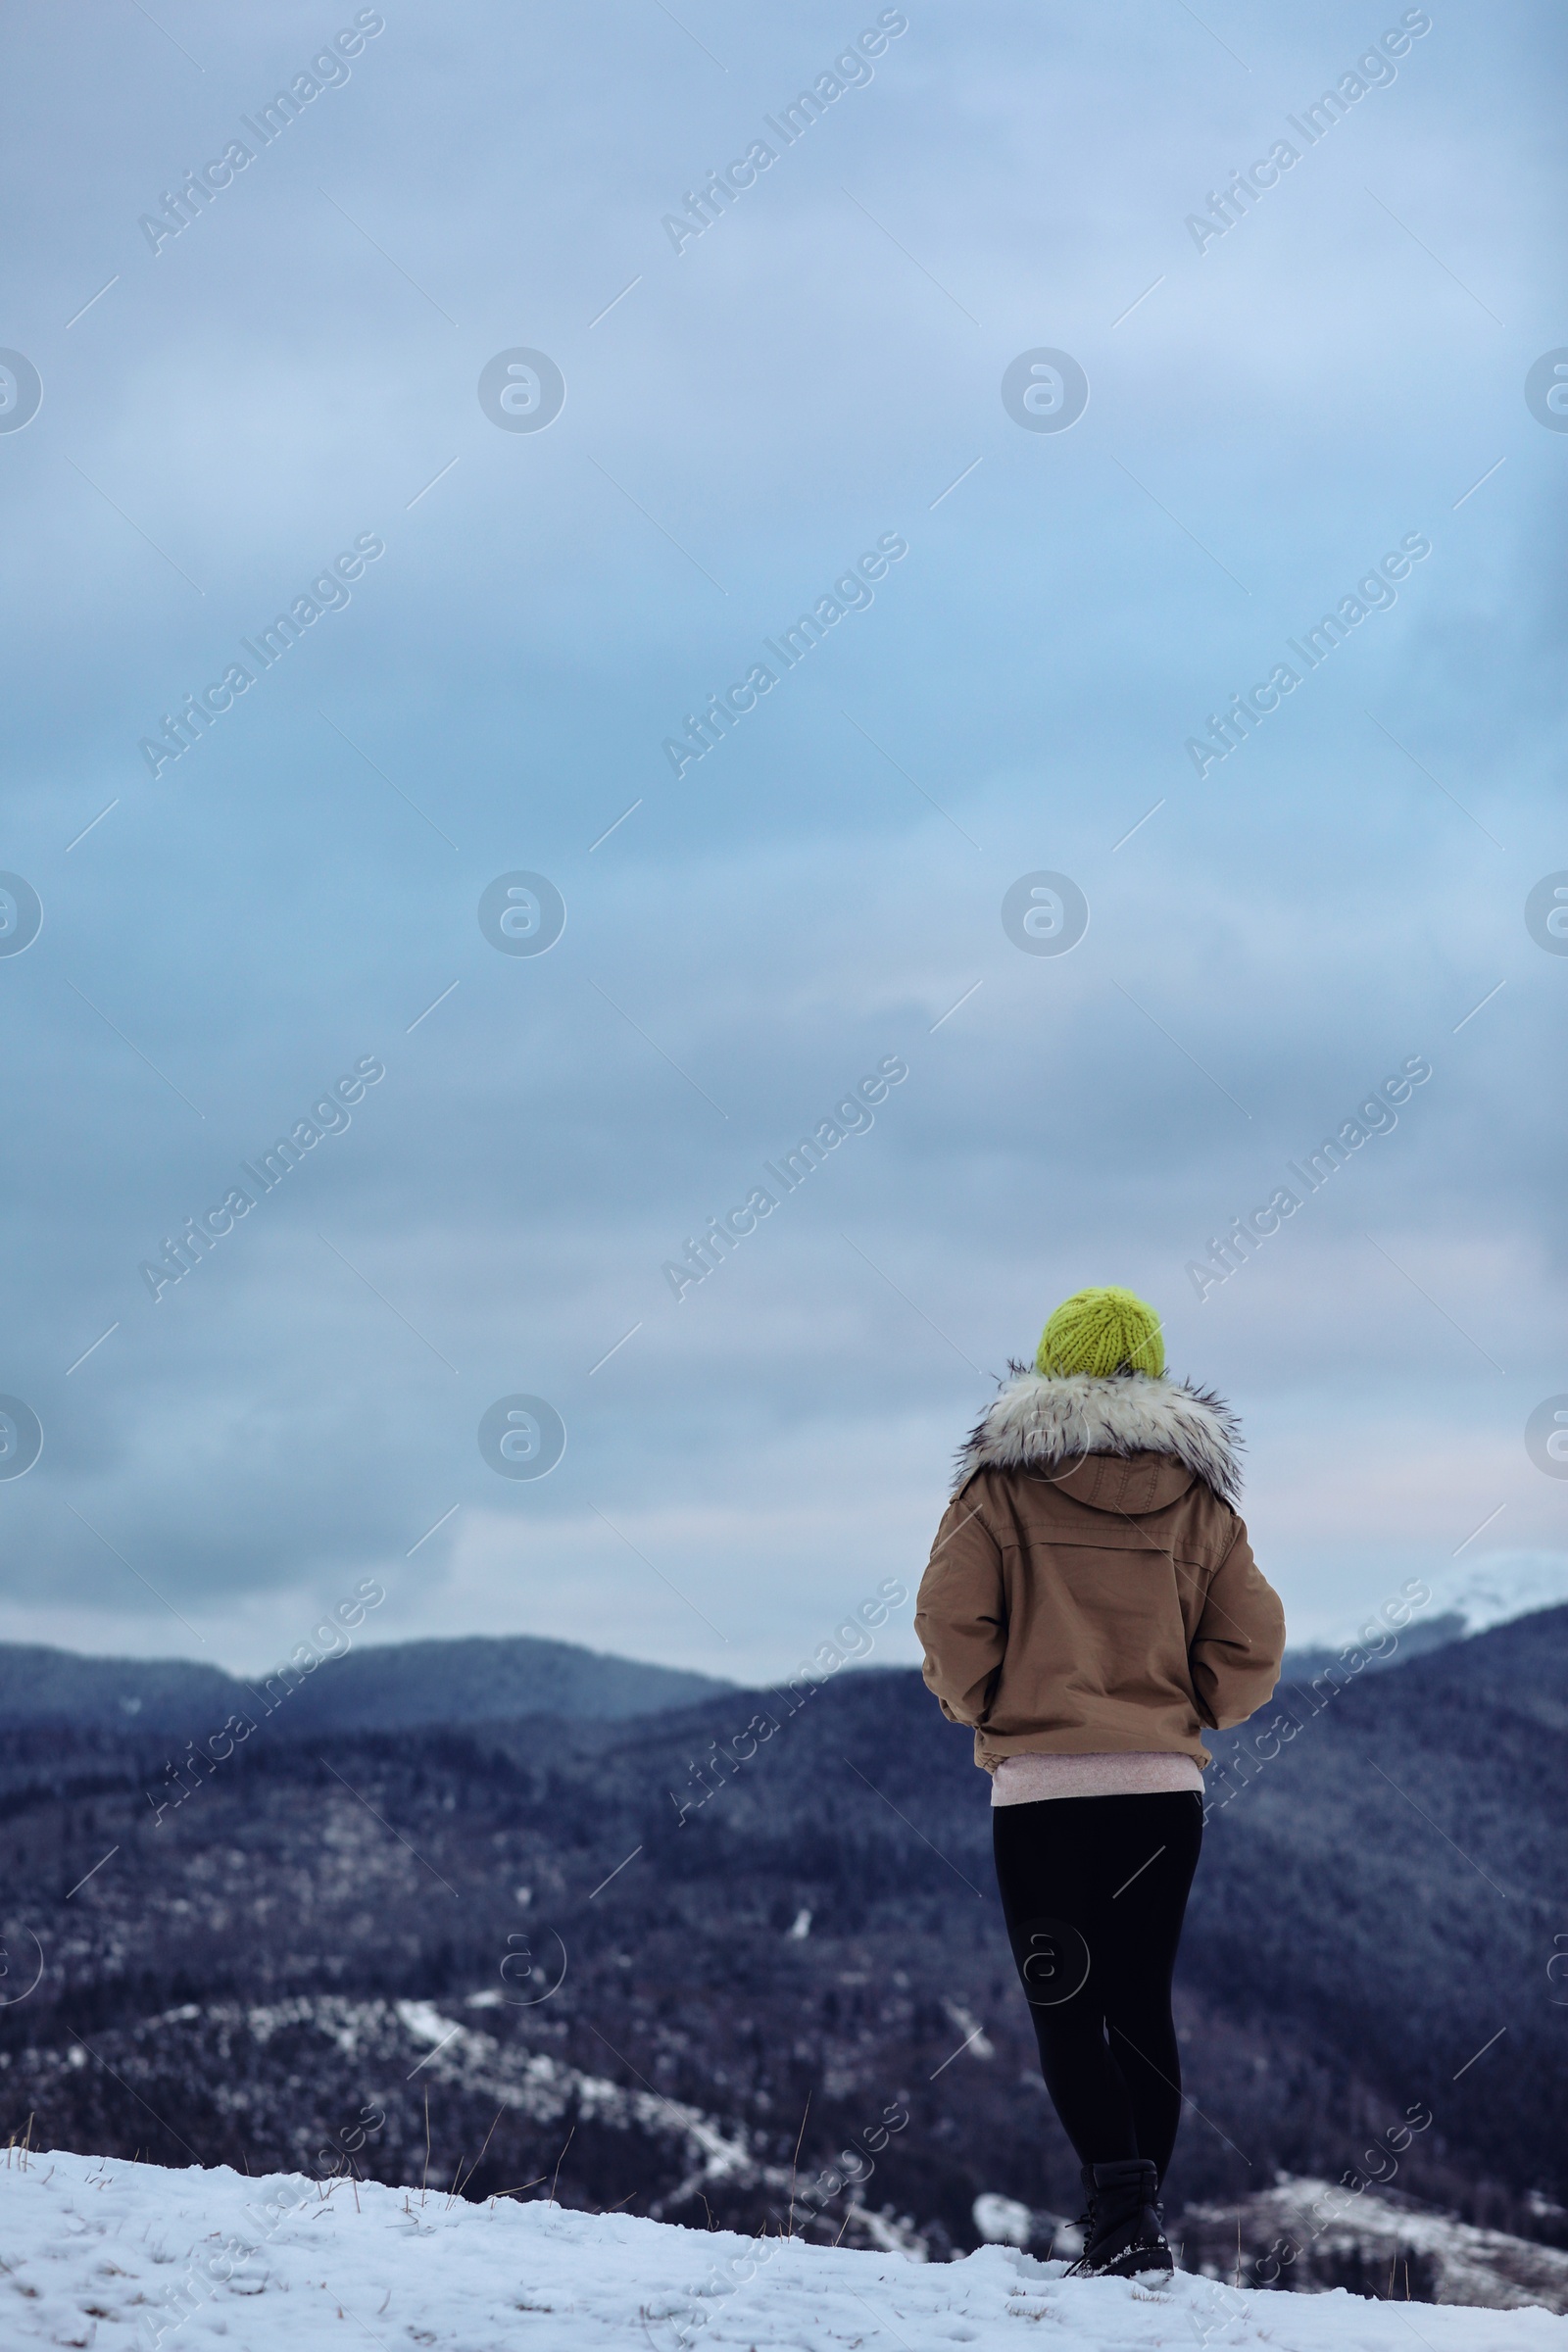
(1235, 1655)
(960, 1613)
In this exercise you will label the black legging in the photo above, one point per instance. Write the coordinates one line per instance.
(1094, 1889)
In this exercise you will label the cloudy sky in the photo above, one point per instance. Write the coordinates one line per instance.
(242, 387)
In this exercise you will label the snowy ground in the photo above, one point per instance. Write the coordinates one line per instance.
(108, 2254)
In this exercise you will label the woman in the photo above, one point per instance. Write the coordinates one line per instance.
(1091, 1603)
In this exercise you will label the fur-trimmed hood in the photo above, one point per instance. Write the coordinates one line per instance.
(1050, 1421)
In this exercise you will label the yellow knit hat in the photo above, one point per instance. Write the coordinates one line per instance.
(1102, 1332)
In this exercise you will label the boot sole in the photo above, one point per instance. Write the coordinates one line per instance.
(1138, 2262)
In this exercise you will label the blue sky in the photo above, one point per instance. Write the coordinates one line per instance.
(1271, 412)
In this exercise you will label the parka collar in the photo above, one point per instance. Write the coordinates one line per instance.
(1041, 1421)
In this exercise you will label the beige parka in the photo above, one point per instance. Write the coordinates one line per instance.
(1092, 1590)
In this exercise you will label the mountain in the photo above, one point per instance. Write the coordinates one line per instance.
(1423, 1634)
(1465, 1599)
(705, 1959)
(387, 1687)
(483, 1680)
(1501, 1586)
(39, 1685)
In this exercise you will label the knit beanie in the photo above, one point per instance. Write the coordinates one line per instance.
(1102, 1332)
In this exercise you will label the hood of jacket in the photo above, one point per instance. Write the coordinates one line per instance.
(1063, 1425)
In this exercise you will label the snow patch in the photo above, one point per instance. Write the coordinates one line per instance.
(1002, 2221)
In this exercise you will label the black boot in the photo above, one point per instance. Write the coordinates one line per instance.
(1122, 2233)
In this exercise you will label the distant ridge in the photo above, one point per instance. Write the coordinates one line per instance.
(392, 1686)
(1413, 1641)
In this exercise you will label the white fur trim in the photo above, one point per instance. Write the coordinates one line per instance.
(1057, 1418)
